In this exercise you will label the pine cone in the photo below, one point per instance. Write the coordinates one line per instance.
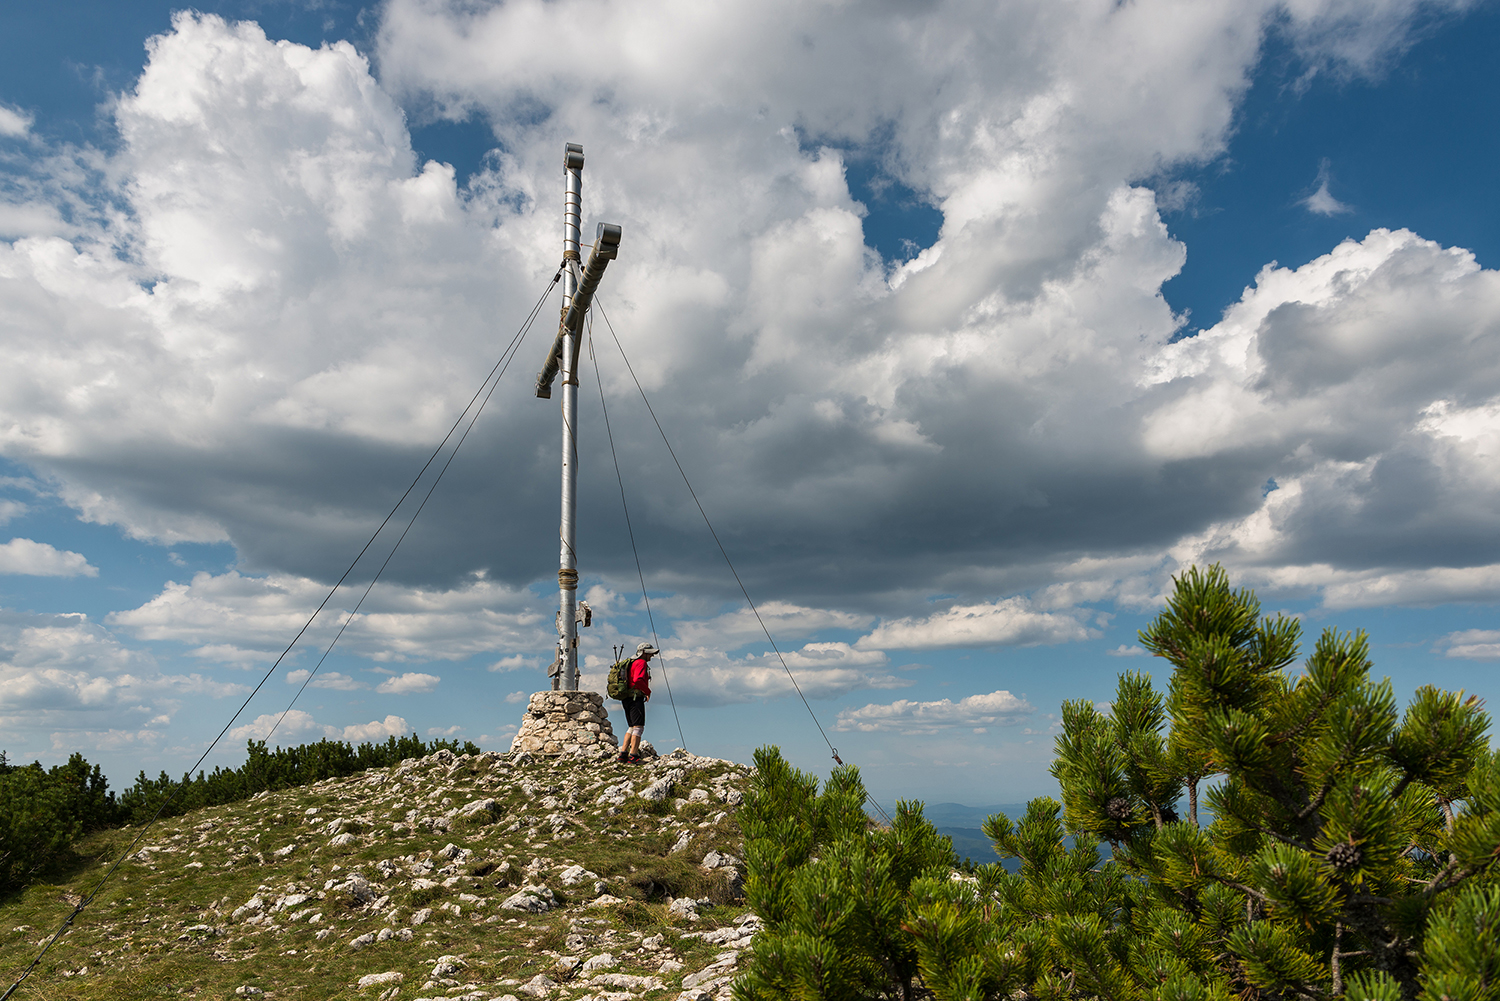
(1344, 857)
(1118, 809)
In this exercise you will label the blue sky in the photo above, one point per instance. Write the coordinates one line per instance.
(966, 357)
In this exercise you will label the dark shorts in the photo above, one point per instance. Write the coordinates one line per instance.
(635, 711)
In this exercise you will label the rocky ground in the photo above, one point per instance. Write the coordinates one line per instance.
(490, 877)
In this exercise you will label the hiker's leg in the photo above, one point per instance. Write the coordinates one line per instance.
(635, 719)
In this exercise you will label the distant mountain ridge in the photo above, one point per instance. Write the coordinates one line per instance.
(958, 815)
(965, 825)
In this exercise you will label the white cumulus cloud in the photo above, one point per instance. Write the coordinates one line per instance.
(410, 683)
(325, 679)
(73, 683)
(294, 723)
(783, 619)
(297, 726)
(38, 559)
(1472, 644)
(243, 613)
(233, 656)
(13, 121)
(911, 717)
(1009, 622)
(375, 730)
(996, 416)
(1321, 201)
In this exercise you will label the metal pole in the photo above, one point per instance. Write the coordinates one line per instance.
(567, 574)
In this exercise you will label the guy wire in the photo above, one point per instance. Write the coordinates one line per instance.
(722, 551)
(170, 799)
(655, 640)
(508, 357)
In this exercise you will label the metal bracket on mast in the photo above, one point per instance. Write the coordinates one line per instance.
(606, 248)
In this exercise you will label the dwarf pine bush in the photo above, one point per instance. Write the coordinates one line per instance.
(43, 810)
(830, 886)
(1273, 834)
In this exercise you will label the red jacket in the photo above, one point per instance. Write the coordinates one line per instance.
(640, 676)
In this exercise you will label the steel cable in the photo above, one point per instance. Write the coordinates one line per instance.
(655, 640)
(723, 552)
(170, 799)
(507, 357)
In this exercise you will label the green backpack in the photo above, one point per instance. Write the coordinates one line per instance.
(619, 679)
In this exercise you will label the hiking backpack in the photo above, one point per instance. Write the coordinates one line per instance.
(618, 686)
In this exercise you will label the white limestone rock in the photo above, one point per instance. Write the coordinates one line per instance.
(252, 906)
(659, 790)
(446, 966)
(481, 809)
(720, 860)
(614, 795)
(684, 907)
(626, 982)
(539, 986)
(573, 875)
(381, 979)
(532, 899)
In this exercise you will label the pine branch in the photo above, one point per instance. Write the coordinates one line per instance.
(1295, 731)
(1344, 758)
(1446, 879)
(1240, 887)
(1334, 960)
(1364, 898)
(1316, 803)
(1446, 805)
(1268, 832)
(1406, 779)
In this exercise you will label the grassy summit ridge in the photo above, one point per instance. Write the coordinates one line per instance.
(446, 876)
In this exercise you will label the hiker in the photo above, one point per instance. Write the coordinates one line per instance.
(634, 700)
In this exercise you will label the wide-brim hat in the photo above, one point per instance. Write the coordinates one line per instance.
(644, 648)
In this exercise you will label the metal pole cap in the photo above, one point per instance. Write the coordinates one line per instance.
(573, 157)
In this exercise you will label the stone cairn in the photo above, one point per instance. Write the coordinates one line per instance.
(566, 723)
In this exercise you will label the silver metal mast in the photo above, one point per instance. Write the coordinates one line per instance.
(563, 357)
(567, 574)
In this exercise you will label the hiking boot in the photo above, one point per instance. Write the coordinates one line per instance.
(634, 759)
(624, 757)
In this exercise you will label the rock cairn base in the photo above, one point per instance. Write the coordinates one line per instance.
(565, 723)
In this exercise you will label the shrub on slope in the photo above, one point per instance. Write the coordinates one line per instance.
(42, 811)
